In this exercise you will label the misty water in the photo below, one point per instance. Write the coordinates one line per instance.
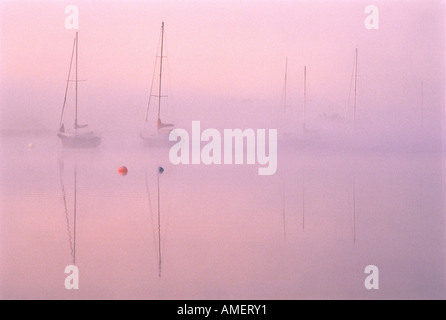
(369, 190)
(222, 231)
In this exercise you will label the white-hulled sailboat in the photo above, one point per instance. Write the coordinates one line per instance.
(161, 135)
(82, 137)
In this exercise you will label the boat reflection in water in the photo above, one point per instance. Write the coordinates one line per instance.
(157, 233)
(71, 233)
(217, 232)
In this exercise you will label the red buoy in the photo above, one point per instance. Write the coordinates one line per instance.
(122, 171)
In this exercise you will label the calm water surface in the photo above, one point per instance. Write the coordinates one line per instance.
(219, 232)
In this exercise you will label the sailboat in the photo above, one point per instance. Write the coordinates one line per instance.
(162, 129)
(81, 137)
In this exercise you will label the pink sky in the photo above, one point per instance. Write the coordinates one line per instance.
(224, 58)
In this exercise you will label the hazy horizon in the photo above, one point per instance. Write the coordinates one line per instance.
(225, 63)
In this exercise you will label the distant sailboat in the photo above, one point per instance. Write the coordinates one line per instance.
(162, 129)
(79, 138)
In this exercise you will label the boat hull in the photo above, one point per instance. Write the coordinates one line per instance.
(156, 140)
(87, 140)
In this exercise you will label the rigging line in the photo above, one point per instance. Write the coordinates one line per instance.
(70, 239)
(161, 72)
(153, 79)
(68, 81)
(150, 211)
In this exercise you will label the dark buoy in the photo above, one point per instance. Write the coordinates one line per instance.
(122, 171)
(160, 170)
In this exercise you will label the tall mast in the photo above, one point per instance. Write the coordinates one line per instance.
(305, 95)
(68, 83)
(356, 77)
(161, 69)
(75, 115)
